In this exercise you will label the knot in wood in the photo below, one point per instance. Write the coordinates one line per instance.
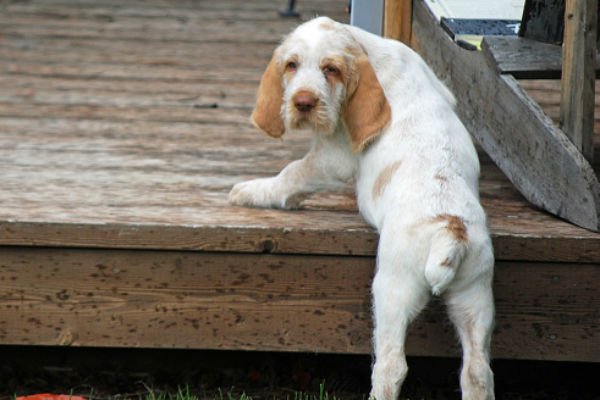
(266, 246)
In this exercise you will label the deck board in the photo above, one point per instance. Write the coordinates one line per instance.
(124, 124)
(97, 129)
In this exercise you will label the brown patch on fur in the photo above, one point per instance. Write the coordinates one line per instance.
(338, 62)
(455, 226)
(441, 177)
(384, 178)
(355, 51)
(367, 110)
(446, 263)
(266, 115)
(327, 26)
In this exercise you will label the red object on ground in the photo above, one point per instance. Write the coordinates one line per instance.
(48, 396)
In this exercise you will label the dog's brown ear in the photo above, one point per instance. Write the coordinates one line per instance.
(367, 110)
(267, 112)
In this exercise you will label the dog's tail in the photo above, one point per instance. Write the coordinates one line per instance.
(448, 249)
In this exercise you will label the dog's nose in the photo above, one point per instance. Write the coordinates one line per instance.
(304, 101)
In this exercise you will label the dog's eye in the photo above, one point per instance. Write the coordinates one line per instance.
(291, 66)
(330, 70)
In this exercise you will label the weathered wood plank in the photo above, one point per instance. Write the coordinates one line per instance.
(159, 38)
(242, 230)
(172, 15)
(524, 58)
(31, 86)
(224, 98)
(547, 94)
(397, 23)
(143, 56)
(148, 31)
(541, 161)
(545, 323)
(163, 299)
(183, 11)
(103, 12)
(190, 5)
(191, 26)
(116, 72)
(182, 53)
(543, 20)
(208, 114)
(577, 82)
(307, 303)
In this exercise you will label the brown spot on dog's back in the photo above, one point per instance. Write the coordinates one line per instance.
(384, 178)
(455, 226)
(441, 178)
(326, 25)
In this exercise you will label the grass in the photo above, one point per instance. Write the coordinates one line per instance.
(185, 394)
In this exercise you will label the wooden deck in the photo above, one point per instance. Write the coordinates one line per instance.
(123, 125)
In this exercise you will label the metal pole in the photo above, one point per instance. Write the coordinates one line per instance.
(290, 12)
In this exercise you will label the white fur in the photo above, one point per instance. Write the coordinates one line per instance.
(433, 185)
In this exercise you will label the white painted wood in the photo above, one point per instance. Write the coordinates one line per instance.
(477, 9)
(368, 15)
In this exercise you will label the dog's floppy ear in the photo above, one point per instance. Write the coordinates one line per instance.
(267, 112)
(367, 110)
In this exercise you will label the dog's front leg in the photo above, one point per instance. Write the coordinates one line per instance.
(284, 190)
(328, 165)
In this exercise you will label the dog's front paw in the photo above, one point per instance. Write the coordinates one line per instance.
(249, 194)
(262, 193)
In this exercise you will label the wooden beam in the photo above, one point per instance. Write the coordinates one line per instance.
(535, 155)
(578, 77)
(526, 235)
(398, 20)
(166, 299)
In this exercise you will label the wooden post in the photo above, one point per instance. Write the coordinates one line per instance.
(397, 20)
(578, 74)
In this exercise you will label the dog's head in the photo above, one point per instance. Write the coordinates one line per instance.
(317, 77)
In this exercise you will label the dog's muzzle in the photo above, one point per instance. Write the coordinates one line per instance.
(305, 101)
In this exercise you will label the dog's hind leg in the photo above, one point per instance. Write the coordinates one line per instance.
(399, 294)
(472, 312)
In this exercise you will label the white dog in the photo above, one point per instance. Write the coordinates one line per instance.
(380, 116)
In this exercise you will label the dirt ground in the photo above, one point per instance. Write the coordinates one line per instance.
(120, 374)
